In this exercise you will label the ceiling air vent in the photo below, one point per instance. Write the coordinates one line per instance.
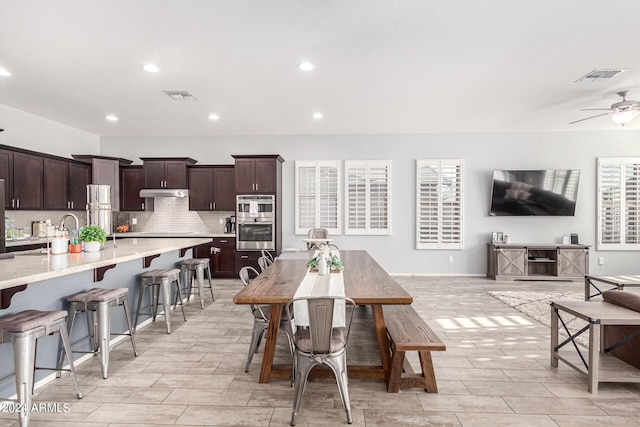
(596, 75)
(180, 95)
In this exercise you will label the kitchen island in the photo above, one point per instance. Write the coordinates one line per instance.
(35, 281)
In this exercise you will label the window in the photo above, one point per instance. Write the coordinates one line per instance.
(439, 204)
(367, 197)
(317, 194)
(618, 203)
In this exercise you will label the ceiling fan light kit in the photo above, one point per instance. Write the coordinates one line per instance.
(623, 112)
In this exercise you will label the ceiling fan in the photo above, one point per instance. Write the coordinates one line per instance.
(623, 111)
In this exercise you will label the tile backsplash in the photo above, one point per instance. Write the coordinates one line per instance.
(169, 214)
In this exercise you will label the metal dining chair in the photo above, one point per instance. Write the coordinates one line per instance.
(264, 262)
(267, 254)
(261, 315)
(321, 343)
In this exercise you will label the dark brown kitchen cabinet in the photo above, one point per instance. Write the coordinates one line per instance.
(131, 182)
(79, 178)
(222, 263)
(166, 172)
(224, 188)
(211, 188)
(23, 175)
(65, 185)
(201, 189)
(247, 258)
(258, 174)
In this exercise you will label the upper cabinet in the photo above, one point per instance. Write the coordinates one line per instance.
(258, 174)
(131, 182)
(23, 176)
(106, 171)
(65, 184)
(166, 172)
(211, 188)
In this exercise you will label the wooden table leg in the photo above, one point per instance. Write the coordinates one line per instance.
(554, 336)
(594, 356)
(383, 341)
(587, 288)
(270, 343)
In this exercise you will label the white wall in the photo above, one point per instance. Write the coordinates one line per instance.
(25, 130)
(482, 153)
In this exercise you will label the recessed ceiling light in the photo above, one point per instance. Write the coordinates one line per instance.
(111, 118)
(4, 73)
(306, 66)
(151, 68)
(214, 116)
(317, 115)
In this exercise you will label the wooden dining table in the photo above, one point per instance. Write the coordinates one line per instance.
(365, 282)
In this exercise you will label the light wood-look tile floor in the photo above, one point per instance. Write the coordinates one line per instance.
(495, 372)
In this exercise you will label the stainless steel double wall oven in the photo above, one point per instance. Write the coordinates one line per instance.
(255, 222)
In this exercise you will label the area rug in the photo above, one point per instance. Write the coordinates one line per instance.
(536, 305)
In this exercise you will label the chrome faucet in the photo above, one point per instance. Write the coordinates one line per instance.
(75, 218)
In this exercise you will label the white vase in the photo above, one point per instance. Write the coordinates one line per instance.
(91, 246)
(322, 264)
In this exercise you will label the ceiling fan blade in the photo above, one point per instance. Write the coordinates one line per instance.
(587, 118)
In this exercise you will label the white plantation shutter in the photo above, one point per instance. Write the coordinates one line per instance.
(367, 197)
(619, 203)
(317, 193)
(439, 204)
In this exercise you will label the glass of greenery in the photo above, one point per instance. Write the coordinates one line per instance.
(333, 263)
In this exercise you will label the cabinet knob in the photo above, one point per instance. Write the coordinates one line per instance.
(13, 203)
(223, 241)
(18, 203)
(244, 256)
(142, 205)
(214, 205)
(71, 205)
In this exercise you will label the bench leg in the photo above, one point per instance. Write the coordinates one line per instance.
(395, 373)
(426, 363)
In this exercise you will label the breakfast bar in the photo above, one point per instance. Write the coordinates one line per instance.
(37, 281)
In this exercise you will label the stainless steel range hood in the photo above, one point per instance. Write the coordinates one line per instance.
(164, 192)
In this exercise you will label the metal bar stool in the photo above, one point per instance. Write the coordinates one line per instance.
(196, 268)
(99, 301)
(160, 280)
(23, 330)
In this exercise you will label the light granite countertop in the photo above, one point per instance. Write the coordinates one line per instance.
(171, 234)
(32, 266)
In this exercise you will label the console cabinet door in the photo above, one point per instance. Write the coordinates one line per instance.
(56, 183)
(224, 194)
(27, 181)
(131, 182)
(79, 178)
(511, 262)
(573, 262)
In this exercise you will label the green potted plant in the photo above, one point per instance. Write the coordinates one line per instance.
(93, 236)
(333, 264)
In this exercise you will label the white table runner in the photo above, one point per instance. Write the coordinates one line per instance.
(313, 284)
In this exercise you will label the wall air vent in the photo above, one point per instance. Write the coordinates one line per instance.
(596, 75)
(180, 95)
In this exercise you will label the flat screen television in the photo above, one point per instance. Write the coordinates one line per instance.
(551, 192)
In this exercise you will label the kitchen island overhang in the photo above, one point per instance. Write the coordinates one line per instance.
(50, 282)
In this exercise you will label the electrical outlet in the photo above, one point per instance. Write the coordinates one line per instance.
(450, 259)
(134, 221)
(600, 260)
(220, 221)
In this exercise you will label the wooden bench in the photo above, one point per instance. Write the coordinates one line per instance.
(407, 331)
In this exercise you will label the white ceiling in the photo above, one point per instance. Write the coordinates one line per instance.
(382, 66)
